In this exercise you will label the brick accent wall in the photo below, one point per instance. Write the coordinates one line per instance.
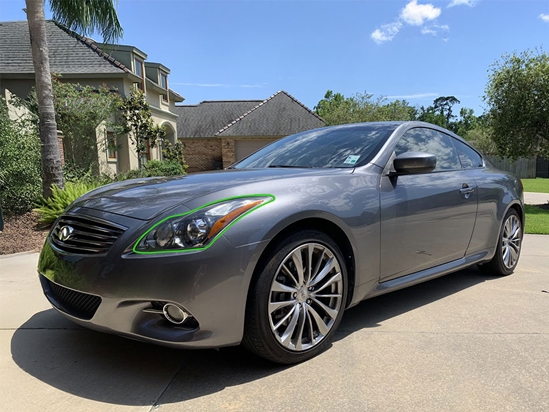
(228, 151)
(202, 154)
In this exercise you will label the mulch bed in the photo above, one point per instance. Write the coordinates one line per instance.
(22, 234)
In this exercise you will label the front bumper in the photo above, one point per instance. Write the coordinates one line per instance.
(115, 293)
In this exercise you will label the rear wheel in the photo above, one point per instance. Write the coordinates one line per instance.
(298, 300)
(507, 254)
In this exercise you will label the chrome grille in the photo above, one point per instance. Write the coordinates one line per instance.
(87, 235)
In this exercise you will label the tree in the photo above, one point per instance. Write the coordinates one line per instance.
(139, 125)
(362, 107)
(517, 96)
(83, 16)
(443, 106)
(428, 114)
(80, 110)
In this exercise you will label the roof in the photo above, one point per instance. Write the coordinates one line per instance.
(279, 115)
(69, 52)
(208, 117)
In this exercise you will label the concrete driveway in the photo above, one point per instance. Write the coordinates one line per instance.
(464, 342)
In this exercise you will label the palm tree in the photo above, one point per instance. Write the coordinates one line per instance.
(84, 17)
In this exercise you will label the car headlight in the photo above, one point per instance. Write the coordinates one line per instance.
(199, 227)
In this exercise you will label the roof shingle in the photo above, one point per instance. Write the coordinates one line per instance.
(208, 117)
(69, 53)
(279, 115)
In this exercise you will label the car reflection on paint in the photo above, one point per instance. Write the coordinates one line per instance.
(270, 252)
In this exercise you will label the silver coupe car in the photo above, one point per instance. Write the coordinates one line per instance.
(270, 252)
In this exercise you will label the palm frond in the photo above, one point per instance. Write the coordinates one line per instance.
(87, 16)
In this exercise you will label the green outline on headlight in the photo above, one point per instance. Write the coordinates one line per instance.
(196, 249)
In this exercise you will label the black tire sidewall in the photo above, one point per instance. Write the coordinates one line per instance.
(261, 296)
(496, 267)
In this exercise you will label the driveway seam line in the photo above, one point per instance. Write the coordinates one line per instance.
(156, 405)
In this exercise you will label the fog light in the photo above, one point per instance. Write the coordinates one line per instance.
(174, 313)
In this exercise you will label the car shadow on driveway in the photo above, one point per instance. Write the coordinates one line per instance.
(115, 370)
(372, 312)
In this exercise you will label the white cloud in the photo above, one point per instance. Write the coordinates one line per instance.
(469, 3)
(413, 14)
(386, 32)
(435, 29)
(544, 17)
(253, 86)
(417, 14)
(414, 96)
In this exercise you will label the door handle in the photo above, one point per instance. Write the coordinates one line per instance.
(466, 190)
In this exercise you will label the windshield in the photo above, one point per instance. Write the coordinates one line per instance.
(343, 146)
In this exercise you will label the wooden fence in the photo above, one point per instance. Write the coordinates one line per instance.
(523, 167)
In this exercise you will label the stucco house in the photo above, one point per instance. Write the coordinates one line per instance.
(81, 60)
(218, 133)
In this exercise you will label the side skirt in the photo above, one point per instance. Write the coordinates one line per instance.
(425, 275)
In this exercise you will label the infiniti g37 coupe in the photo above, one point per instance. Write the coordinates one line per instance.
(271, 251)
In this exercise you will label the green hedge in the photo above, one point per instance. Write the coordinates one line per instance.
(20, 164)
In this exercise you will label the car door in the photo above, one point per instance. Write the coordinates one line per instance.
(427, 219)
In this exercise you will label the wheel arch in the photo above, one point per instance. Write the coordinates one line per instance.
(322, 225)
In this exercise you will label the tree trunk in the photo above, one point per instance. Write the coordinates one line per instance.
(52, 172)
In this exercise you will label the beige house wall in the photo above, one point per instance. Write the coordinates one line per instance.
(14, 113)
(126, 156)
(228, 146)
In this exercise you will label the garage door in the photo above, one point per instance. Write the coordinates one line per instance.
(244, 148)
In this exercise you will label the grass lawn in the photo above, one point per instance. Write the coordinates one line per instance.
(539, 185)
(537, 219)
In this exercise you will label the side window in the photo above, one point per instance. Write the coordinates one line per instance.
(468, 157)
(432, 142)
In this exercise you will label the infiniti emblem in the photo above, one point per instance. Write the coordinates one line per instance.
(65, 233)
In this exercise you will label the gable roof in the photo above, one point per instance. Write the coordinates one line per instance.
(279, 115)
(208, 117)
(69, 52)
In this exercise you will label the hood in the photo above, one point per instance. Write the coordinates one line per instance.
(146, 198)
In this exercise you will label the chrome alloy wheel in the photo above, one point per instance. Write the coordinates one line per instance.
(511, 239)
(305, 296)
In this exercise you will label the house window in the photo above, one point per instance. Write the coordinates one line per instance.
(164, 84)
(146, 154)
(111, 146)
(140, 71)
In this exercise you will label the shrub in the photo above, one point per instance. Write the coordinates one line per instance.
(174, 152)
(20, 167)
(154, 168)
(51, 208)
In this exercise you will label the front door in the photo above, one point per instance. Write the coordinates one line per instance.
(426, 219)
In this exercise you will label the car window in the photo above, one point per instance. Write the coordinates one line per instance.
(430, 141)
(468, 157)
(345, 146)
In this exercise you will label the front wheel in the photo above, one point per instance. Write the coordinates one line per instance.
(507, 254)
(297, 302)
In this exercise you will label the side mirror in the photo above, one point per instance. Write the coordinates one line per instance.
(414, 162)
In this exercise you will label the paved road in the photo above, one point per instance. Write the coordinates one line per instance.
(464, 342)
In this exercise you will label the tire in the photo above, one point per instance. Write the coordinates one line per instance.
(508, 249)
(287, 319)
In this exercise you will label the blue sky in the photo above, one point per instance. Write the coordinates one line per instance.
(416, 50)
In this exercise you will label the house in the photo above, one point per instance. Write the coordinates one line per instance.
(218, 133)
(81, 60)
